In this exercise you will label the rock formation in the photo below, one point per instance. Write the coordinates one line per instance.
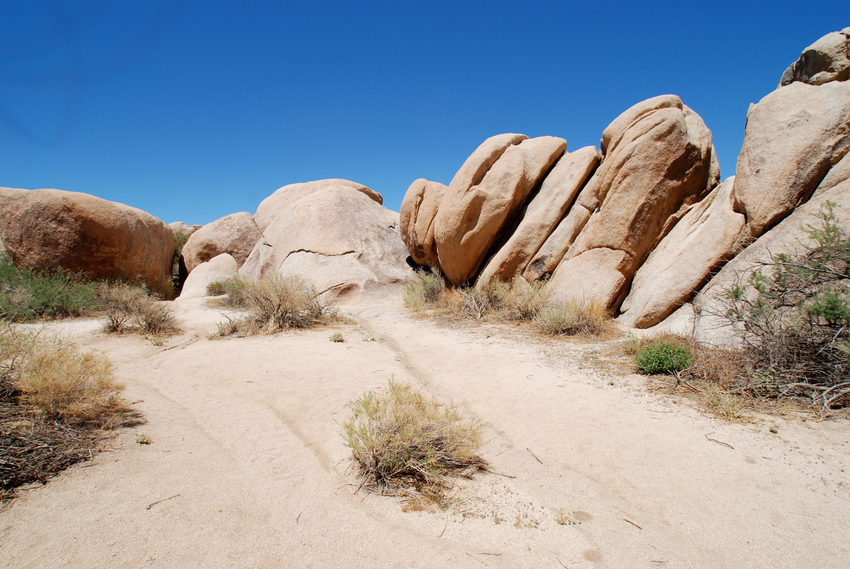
(51, 229)
(235, 234)
(335, 235)
(828, 59)
(485, 195)
(658, 158)
(416, 220)
(697, 246)
(218, 269)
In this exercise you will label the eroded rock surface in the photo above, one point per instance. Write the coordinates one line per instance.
(234, 234)
(485, 195)
(658, 160)
(700, 243)
(416, 218)
(828, 59)
(220, 269)
(793, 138)
(51, 229)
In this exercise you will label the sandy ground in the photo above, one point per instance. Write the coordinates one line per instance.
(248, 468)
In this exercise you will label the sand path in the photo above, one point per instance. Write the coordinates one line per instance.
(248, 468)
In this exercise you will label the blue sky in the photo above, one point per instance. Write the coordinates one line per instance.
(195, 110)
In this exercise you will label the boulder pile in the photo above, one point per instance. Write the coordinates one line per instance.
(642, 225)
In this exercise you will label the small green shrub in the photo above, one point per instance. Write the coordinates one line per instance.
(337, 337)
(402, 440)
(663, 357)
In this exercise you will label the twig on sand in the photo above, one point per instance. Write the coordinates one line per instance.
(631, 522)
(445, 525)
(721, 443)
(497, 473)
(561, 564)
(481, 562)
(534, 455)
(151, 505)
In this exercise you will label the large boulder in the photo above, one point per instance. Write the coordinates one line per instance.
(658, 159)
(542, 214)
(338, 238)
(828, 59)
(789, 237)
(52, 229)
(700, 243)
(235, 234)
(794, 136)
(485, 196)
(181, 228)
(219, 269)
(281, 199)
(416, 218)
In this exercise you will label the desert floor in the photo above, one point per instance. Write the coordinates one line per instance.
(248, 468)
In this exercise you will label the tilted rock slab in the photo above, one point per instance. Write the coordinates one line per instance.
(658, 158)
(542, 214)
(235, 234)
(416, 218)
(338, 238)
(828, 59)
(793, 137)
(51, 229)
(700, 243)
(280, 200)
(789, 236)
(485, 195)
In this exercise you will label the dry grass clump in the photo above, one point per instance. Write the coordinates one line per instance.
(574, 318)
(403, 442)
(273, 304)
(53, 401)
(515, 301)
(131, 308)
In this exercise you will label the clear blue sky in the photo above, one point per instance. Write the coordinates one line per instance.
(194, 110)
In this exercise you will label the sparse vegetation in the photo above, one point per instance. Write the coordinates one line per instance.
(793, 320)
(130, 308)
(404, 442)
(337, 337)
(516, 301)
(273, 304)
(574, 318)
(54, 400)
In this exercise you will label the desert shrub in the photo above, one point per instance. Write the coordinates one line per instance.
(59, 381)
(424, 291)
(53, 401)
(573, 318)
(27, 295)
(274, 303)
(130, 307)
(663, 357)
(792, 318)
(522, 300)
(402, 440)
(233, 289)
(337, 337)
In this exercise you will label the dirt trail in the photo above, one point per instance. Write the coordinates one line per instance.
(248, 468)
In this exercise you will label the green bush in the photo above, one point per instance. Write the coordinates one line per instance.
(663, 357)
(27, 295)
(402, 440)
